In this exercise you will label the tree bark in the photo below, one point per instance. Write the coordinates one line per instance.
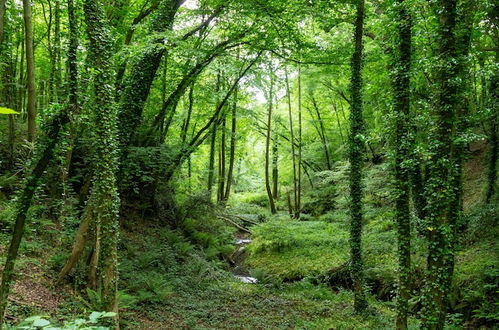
(356, 164)
(221, 163)
(30, 65)
(232, 153)
(292, 141)
(440, 186)
(298, 200)
(267, 143)
(403, 148)
(104, 192)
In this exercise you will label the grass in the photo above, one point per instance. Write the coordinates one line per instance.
(290, 250)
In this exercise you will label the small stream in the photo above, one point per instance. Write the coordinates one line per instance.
(239, 269)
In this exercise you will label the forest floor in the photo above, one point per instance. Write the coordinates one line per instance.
(184, 278)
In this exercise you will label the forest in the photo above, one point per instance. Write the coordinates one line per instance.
(249, 164)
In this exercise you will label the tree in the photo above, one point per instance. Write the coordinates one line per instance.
(402, 145)
(267, 141)
(30, 65)
(356, 162)
(104, 200)
(441, 184)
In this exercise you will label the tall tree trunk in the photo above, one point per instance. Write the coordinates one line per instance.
(267, 143)
(221, 163)
(2, 22)
(232, 153)
(298, 199)
(292, 141)
(493, 136)
(213, 141)
(440, 186)
(57, 51)
(104, 192)
(30, 64)
(402, 154)
(275, 162)
(45, 147)
(7, 72)
(356, 163)
(163, 98)
(185, 125)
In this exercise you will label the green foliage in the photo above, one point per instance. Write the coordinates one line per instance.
(293, 250)
(321, 199)
(7, 111)
(92, 322)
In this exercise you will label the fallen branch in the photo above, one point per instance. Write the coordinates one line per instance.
(234, 223)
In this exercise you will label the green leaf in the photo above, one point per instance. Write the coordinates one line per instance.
(7, 111)
(109, 314)
(41, 323)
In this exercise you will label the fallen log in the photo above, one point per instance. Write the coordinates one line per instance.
(234, 224)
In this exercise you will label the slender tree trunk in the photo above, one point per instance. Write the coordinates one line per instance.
(30, 61)
(211, 166)
(57, 50)
(267, 143)
(2, 22)
(275, 163)
(185, 126)
(232, 153)
(221, 164)
(356, 164)
(298, 200)
(402, 154)
(163, 98)
(292, 141)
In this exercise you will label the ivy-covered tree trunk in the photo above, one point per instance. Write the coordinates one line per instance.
(356, 164)
(104, 200)
(43, 155)
(403, 147)
(441, 186)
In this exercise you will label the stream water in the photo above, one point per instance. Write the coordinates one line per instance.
(239, 269)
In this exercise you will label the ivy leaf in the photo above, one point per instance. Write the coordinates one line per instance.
(7, 111)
